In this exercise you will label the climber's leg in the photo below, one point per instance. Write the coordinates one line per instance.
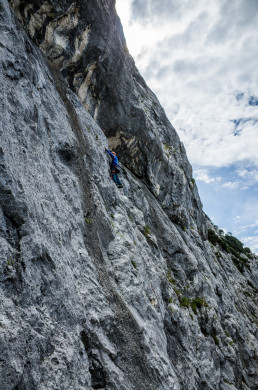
(119, 184)
(118, 180)
(114, 176)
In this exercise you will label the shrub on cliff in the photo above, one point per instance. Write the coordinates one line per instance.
(212, 237)
(231, 244)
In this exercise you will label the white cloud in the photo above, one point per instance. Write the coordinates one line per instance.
(231, 185)
(249, 174)
(198, 57)
(252, 225)
(202, 175)
(251, 242)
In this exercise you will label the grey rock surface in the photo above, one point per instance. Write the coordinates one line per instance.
(105, 288)
(85, 41)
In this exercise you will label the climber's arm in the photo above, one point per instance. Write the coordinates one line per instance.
(108, 151)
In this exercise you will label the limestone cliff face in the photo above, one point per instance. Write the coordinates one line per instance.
(85, 42)
(104, 288)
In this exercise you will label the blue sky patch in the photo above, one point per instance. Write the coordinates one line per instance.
(241, 121)
(253, 101)
(230, 201)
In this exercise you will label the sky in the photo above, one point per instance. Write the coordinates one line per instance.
(200, 58)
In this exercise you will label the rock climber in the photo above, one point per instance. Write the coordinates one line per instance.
(114, 168)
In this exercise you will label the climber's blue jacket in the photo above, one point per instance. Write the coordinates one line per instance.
(114, 162)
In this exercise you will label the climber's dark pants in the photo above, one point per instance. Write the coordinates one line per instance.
(115, 177)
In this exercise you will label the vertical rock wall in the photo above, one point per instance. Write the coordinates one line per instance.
(85, 41)
(103, 288)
